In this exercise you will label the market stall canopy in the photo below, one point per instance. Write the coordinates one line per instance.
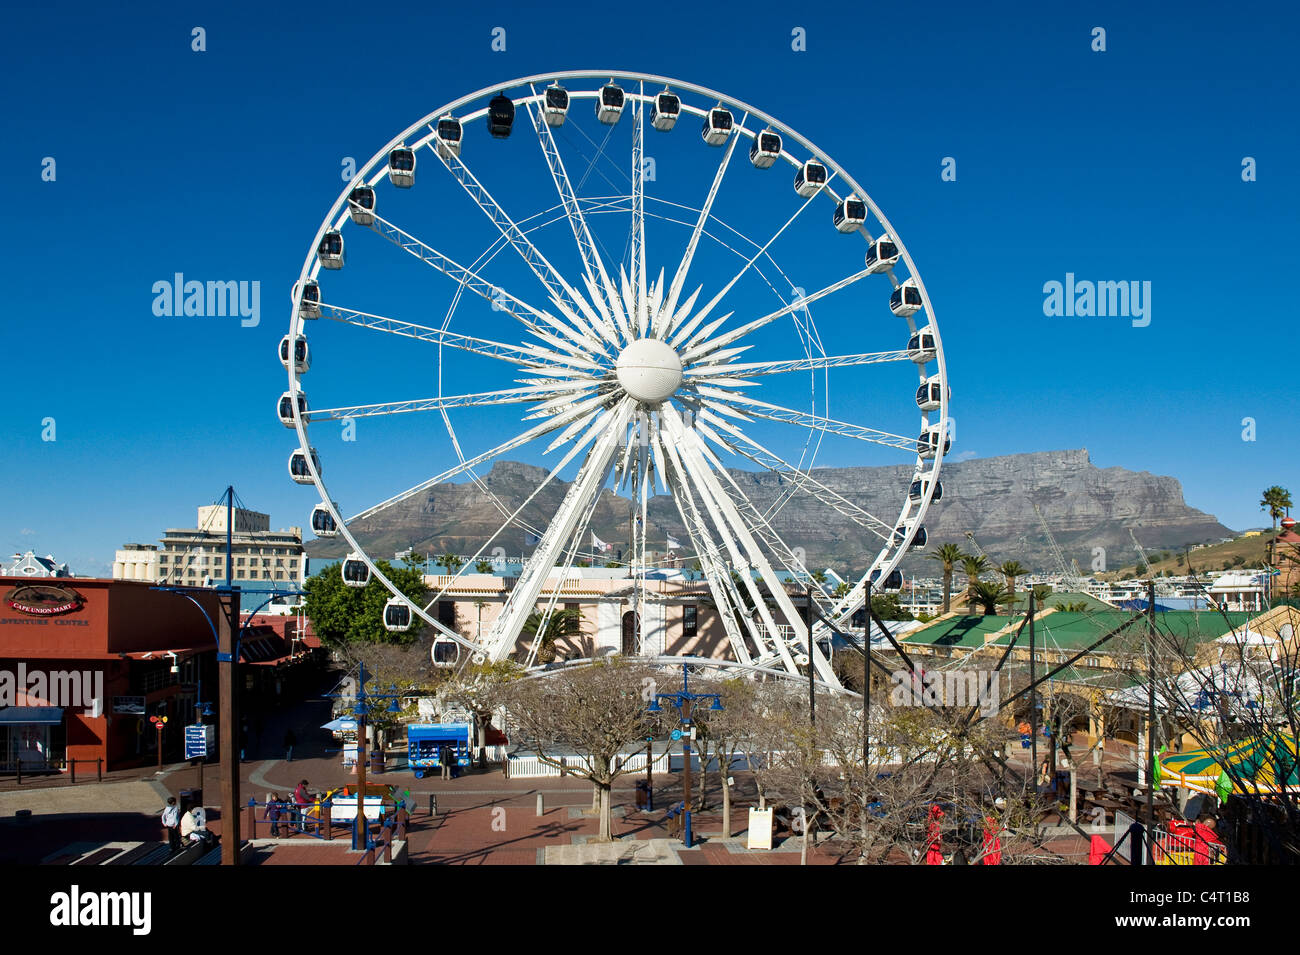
(1264, 764)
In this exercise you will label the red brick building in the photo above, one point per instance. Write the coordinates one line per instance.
(85, 662)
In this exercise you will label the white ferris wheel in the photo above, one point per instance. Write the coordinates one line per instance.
(644, 310)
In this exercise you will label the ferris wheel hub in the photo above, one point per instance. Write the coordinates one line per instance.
(649, 370)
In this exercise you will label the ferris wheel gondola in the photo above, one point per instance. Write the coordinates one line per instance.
(300, 358)
(309, 308)
(361, 204)
(401, 167)
(556, 107)
(665, 110)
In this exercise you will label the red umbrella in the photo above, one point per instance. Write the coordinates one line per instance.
(934, 851)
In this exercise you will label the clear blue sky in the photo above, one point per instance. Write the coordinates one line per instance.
(1122, 165)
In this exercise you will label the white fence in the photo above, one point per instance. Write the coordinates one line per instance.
(533, 767)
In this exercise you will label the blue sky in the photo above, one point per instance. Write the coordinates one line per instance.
(1120, 165)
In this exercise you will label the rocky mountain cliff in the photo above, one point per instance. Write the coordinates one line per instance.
(1085, 506)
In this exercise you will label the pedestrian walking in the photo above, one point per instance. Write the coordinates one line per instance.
(289, 740)
(444, 758)
(275, 808)
(171, 820)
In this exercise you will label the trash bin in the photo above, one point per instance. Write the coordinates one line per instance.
(376, 761)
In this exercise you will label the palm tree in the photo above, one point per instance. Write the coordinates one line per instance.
(1012, 569)
(973, 567)
(561, 623)
(989, 594)
(1041, 593)
(947, 555)
(451, 562)
(483, 566)
(1277, 501)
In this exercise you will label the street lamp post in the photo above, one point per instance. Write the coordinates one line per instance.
(227, 633)
(684, 701)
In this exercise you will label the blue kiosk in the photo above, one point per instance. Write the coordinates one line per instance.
(425, 743)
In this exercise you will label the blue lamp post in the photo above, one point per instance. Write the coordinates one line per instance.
(684, 701)
(228, 637)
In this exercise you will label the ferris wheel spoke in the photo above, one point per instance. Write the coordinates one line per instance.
(752, 369)
(679, 279)
(516, 354)
(535, 319)
(706, 478)
(805, 482)
(739, 545)
(527, 437)
(712, 344)
(513, 519)
(675, 336)
(513, 396)
(587, 483)
(593, 264)
(566, 566)
(638, 212)
(782, 415)
(776, 545)
(725, 596)
(561, 292)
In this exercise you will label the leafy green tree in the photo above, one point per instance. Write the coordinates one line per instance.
(483, 566)
(887, 607)
(947, 555)
(342, 615)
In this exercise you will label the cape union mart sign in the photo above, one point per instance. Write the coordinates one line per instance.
(43, 600)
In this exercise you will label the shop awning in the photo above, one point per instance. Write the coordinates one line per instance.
(52, 715)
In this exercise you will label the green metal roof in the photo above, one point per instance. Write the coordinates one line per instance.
(961, 631)
(1072, 631)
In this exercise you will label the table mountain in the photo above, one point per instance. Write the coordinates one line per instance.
(1086, 507)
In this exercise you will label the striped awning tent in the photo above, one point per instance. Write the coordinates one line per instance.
(1264, 764)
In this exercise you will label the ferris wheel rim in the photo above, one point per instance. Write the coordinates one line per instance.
(911, 514)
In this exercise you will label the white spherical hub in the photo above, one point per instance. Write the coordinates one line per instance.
(649, 370)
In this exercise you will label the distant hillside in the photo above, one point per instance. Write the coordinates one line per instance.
(1087, 507)
(1252, 551)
